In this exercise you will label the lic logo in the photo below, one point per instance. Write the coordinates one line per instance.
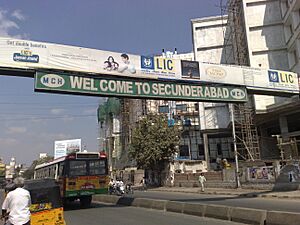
(147, 62)
(273, 76)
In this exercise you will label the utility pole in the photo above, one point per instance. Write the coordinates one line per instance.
(237, 178)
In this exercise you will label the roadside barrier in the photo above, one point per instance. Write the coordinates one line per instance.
(236, 214)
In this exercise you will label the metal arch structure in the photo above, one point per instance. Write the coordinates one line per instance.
(157, 76)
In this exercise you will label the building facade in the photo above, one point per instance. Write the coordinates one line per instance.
(268, 31)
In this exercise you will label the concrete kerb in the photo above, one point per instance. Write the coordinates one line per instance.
(248, 216)
(279, 218)
(106, 198)
(236, 214)
(142, 202)
(252, 195)
(194, 209)
(159, 204)
(173, 206)
(217, 211)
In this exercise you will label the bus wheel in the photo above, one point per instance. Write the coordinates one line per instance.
(86, 201)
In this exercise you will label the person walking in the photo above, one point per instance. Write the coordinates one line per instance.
(202, 179)
(143, 184)
(16, 204)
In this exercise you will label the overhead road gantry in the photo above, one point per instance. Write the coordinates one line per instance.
(78, 70)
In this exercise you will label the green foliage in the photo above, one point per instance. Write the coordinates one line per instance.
(153, 142)
(107, 109)
(28, 174)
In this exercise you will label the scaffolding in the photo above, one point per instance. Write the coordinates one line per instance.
(246, 133)
(234, 32)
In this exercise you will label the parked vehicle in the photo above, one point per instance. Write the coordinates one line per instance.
(46, 203)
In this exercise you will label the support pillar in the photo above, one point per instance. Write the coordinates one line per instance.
(206, 150)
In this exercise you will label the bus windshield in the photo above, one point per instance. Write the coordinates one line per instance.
(87, 167)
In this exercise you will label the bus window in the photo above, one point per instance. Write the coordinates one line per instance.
(77, 168)
(97, 167)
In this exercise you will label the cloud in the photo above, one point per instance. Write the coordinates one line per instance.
(53, 136)
(18, 15)
(68, 119)
(16, 130)
(89, 111)
(57, 111)
(8, 23)
(7, 141)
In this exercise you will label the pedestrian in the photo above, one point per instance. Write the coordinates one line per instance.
(143, 184)
(16, 204)
(202, 179)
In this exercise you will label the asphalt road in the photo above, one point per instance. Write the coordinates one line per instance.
(114, 215)
(247, 202)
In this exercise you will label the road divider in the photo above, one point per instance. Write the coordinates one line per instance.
(248, 216)
(280, 218)
(217, 211)
(236, 214)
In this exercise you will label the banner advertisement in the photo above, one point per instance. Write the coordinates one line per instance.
(190, 69)
(221, 74)
(160, 66)
(271, 80)
(38, 55)
(22, 54)
(140, 89)
(62, 148)
(266, 173)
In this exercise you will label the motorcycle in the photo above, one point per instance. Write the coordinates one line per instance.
(120, 189)
(117, 189)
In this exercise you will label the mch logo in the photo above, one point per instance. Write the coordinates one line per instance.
(237, 94)
(52, 80)
(26, 56)
(147, 62)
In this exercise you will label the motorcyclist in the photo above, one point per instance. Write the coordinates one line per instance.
(111, 186)
(120, 186)
(128, 187)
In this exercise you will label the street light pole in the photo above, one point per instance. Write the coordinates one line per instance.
(237, 178)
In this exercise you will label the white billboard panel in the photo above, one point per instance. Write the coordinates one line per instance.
(33, 55)
(64, 147)
(221, 74)
(39, 55)
(271, 80)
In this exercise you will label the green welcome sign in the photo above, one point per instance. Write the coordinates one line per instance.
(67, 83)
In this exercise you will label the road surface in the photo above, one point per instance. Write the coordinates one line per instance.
(227, 200)
(113, 215)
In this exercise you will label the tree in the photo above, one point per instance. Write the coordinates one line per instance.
(107, 110)
(28, 174)
(153, 142)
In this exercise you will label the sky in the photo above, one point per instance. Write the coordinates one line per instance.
(30, 122)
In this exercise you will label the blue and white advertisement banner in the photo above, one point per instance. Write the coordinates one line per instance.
(39, 55)
(269, 80)
(23, 54)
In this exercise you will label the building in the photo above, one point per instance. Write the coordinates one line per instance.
(10, 170)
(262, 34)
(214, 117)
(266, 35)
